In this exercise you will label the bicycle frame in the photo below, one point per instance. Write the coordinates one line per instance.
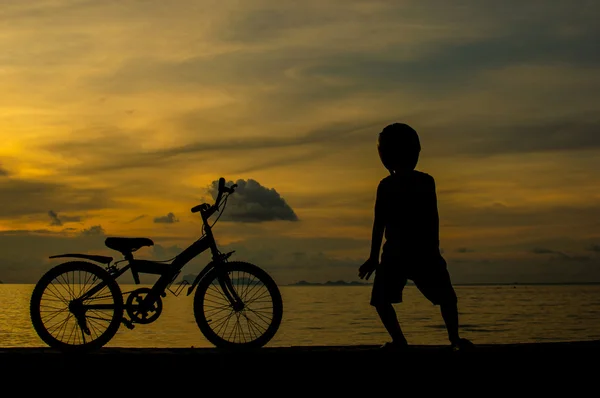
(169, 271)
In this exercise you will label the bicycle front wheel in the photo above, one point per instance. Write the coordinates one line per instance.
(250, 323)
(76, 306)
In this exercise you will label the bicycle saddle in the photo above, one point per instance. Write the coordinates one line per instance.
(127, 245)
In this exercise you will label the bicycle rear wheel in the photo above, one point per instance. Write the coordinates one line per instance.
(76, 306)
(228, 325)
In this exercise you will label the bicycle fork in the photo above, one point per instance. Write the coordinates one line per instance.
(230, 292)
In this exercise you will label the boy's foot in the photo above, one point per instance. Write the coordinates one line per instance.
(394, 346)
(462, 345)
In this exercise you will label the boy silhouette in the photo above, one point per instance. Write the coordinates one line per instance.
(406, 211)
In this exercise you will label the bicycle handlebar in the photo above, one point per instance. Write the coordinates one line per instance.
(208, 209)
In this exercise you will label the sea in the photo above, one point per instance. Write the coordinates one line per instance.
(341, 315)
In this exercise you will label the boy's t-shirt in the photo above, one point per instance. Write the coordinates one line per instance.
(407, 204)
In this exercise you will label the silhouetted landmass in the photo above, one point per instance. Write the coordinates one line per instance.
(189, 278)
(329, 283)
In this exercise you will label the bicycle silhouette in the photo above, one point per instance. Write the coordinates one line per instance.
(78, 305)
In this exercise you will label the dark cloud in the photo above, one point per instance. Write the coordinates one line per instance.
(55, 220)
(316, 142)
(28, 251)
(464, 250)
(540, 250)
(107, 155)
(24, 253)
(579, 132)
(502, 216)
(253, 202)
(448, 66)
(560, 254)
(535, 37)
(95, 230)
(279, 161)
(136, 218)
(25, 197)
(333, 133)
(168, 219)
(269, 24)
(161, 252)
(594, 248)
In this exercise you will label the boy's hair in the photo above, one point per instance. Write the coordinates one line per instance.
(399, 146)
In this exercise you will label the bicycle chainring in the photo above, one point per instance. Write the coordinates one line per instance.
(135, 299)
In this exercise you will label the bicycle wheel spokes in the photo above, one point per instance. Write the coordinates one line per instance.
(70, 319)
(238, 305)
(239, 324)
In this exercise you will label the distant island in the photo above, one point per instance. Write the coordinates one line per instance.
(329, 283)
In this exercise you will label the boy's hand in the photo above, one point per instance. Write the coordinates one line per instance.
(367, 269)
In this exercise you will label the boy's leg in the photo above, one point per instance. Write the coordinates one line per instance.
(388, 317)
(437, 288)
(387, 289)
(450, 315)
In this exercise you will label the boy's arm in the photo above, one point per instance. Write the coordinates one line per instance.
(376, 236)
(369, 266)
(378, 224)
(435, 222)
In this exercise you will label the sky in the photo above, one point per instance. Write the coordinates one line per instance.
(117, 117)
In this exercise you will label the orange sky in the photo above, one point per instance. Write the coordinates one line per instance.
(115, 114)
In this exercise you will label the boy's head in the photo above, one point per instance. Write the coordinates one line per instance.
(399, 147)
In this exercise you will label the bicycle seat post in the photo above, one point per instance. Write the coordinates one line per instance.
(129, 257)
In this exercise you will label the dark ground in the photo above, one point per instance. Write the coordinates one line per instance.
(289, 371)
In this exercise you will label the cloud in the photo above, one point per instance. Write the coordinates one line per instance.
(55, 220)
(136, 218)
(254, 203)
(594, 248)
(161, 252)
(571, 134)
(24, 253)
(464, 250)
(541, 250)
(560, 254)
(95, 230)
(528, 215)
(3, 172)
(168, 219)
(300, 145)
(21, 197)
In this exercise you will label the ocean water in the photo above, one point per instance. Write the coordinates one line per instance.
(321, 315)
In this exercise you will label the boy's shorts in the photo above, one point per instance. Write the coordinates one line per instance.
(430, 276)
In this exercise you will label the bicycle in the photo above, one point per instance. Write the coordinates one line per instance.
(78, 306)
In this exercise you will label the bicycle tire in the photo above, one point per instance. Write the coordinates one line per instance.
(204, 302)
(41, 326)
